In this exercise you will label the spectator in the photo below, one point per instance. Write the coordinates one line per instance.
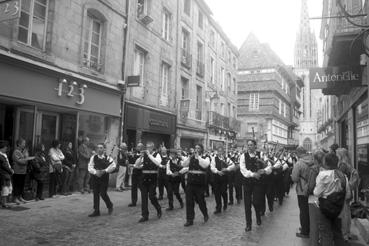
(84, 155)
(327, 183)
(69, 164)
(39, 170)
(345, 166)
(56, 159)
(122, 160)
(300, 173)
(5, 174)
(20, 161)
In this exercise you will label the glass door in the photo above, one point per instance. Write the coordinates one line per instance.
(47, 128)
(24, 126)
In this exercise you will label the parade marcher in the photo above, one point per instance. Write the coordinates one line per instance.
(136, 174)
(122, 161)
(238, 178)
(84, 155)
(220, 165)
(6, 173)
(162, 173)
(300, 173)
(252, 168)
(278, 176)
(287, 174)
(100, 166)
(149, 162)
(174, 179)
(268, 185)
(231, 176)
(198, 165)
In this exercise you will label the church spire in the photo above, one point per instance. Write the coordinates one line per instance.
(306, 50)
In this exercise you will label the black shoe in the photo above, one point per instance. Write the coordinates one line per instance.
(230, 203)
(225, 208)
(188, 223)
(169, 209)
(218, 211)
(110, 210)
(181, 204)
(143, 219)
(206, 218)
(94, 214)
(299, 234)
(248, 228)
(131, 205)
(258, 221)
(159, 213)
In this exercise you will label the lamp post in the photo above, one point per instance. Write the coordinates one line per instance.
(122, 87)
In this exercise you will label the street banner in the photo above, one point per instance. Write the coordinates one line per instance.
(325, 77)
(9, 10)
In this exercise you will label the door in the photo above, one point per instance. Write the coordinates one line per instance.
(24, 126)
(47, 128)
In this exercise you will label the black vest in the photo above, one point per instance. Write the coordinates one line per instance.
(251, 163)
(197, 179)
(101, 164)
(163, 171)
(148, 164)
(175, 167)
(122, 159)
(220, 164)
(133, 158)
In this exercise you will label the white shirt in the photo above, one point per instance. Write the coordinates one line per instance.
(247, 173)
(156, 160)
(204, 162)
(109, 169)
(228, 161)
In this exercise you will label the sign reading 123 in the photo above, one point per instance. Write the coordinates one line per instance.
(71, 89)
(9, 10)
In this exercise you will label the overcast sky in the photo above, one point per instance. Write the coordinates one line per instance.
(273, 21)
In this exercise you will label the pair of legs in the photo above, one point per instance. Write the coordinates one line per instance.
(253, 196)
(134, 188)
(100, 188)
(195, 193)
(220, 192)
(148, 191)
(121, 178)
(83, 180)
(173, 188)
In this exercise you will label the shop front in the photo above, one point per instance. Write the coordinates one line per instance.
(41, 103)
(143, 124)
(188, 138)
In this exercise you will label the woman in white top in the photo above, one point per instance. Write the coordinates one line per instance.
(56, 168)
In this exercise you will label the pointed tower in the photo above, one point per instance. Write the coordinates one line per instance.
(306, 48)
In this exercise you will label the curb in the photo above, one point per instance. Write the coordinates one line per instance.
(363, 226)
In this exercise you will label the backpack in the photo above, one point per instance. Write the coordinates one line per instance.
(310, 178)
(332, 206)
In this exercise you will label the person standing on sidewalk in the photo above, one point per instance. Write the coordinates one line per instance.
(40, 169)
(84, 155)
(69, 164)
(136, 175)
(198, 165)
(300, 176)
(123, 163)
(100, 166)
(149, 162)
(252, 168)
(6, 173)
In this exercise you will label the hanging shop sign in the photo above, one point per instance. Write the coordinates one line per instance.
(326, 77)
(9, 10)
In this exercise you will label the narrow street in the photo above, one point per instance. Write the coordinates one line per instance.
(64, 221)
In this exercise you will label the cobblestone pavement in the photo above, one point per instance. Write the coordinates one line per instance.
(64, 221)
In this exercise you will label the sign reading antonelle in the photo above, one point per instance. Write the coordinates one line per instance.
(325, 77)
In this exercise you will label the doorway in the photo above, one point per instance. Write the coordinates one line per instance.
(47, 128)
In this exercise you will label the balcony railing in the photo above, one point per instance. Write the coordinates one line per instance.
(186, 58)
(200, 69)
(224, 122)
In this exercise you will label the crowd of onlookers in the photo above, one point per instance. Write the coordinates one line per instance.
(61, 168)
(325, 184)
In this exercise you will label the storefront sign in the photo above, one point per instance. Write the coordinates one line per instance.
(9, 10)
(72, 89)
(321, 78)
(158, 123)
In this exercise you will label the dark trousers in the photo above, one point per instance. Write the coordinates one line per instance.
(173, 188)
(18, 184)
(195, 193)
(100, 188)
(238, 179)
(304, 214)
(39, 188)
(162, 182)
(314, 217)
(253, 195)
(330, 232)
(220, 191)
(52, 184)
(287, 181)
(134, 188)
(66, 179)
(279, 187)
(269, 192)
(183, 182)
(148, 191)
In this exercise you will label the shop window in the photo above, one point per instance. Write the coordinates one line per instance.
(93, 40)
(32, 23)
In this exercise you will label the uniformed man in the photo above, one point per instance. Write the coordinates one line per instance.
(162, 173)
(149, 162)
(198, 165)
(174, 166)
(99, 167)
(252, 168)
(136, 174)
(220, 166)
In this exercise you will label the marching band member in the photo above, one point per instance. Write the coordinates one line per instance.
(196, 184)
(252, 168)
(136, 174)
(174, 179)
(219, 166)
(149, 162)
(162, 173)
(99, 167)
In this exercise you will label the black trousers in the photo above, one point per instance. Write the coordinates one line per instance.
(287, 181)
(269, 193)
(18, 184)
(52, 184)
(253, 195)
(135, 186)
(220, 191)
(279, 187)
(235, 183)
(173, 188)
(195, 193)
(162, 182)
(39, 188)
(304, 214)
(100, 188)
(183, 182)
(148, 191)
